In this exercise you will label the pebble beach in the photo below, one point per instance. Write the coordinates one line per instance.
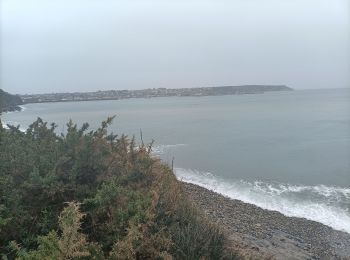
(262, 234)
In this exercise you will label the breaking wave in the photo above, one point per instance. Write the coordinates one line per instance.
(328, 205)
(23, 108)
(12, 123)
(163, 148)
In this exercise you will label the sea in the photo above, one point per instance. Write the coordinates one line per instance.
(283, 151)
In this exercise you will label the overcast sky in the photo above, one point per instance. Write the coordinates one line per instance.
(88, 45)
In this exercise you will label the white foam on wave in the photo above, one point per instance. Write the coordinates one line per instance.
(23, 108)
(328, 192)
(12, 123)
(162, 148)
(325, 204)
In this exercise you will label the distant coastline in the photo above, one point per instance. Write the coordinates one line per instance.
(151, 93)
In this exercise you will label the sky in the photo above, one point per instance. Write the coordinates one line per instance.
(88, 45)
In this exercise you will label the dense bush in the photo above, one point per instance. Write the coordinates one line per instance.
(93, 195)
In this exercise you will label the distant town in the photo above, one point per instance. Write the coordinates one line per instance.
(151, 93)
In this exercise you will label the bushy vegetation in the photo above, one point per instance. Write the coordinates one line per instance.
(93, 195)
(9, 102)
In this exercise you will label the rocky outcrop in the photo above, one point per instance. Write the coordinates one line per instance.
(9, 102)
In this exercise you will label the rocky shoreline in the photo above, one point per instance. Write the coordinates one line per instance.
(261, 233)
(10, 109)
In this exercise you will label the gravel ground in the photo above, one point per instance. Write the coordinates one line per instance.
(269, 234)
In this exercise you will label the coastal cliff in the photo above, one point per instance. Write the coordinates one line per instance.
(9, 102)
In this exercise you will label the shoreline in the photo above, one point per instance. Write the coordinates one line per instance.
(11, 109)
(262, 233)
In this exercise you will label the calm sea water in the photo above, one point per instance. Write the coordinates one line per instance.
(284, 151)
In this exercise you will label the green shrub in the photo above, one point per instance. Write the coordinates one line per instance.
(131, 205)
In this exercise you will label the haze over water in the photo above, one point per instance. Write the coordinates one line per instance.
(285, 151)
(90, 45)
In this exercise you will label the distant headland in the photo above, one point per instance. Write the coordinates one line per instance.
(151, 93)
(9, 102)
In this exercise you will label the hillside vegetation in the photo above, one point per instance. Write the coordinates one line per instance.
(94, 195)
(9, 102)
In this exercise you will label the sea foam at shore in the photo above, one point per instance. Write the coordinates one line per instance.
(325, 204)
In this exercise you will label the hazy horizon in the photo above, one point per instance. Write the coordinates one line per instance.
(86, 91)
(82, 46)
